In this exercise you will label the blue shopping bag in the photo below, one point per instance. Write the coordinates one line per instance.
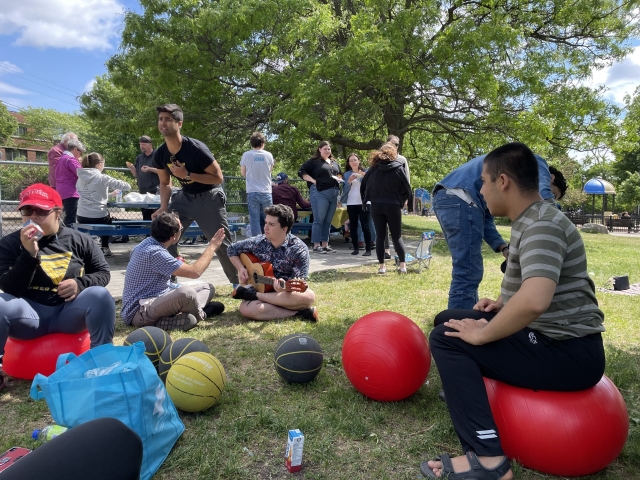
(117, 382)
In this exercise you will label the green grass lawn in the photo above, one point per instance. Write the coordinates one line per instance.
(347, 435)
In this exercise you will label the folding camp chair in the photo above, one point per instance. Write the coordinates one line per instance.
(421, 258)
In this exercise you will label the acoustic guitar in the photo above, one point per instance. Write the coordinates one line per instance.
(262, 279)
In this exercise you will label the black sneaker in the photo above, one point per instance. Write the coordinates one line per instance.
(244, 292)
(310, 314)
(318, 249)
(367, 253)
(182, 321)
(355, 252)
(213, 308)
(387, 256)
(328, 249)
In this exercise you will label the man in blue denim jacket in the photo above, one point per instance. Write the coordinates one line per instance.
(465, 221)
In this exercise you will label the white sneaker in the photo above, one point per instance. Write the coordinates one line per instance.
(107, 252)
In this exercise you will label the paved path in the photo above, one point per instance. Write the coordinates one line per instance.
(214, 274)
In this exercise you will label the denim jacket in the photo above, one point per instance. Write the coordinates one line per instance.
(346, 187)
(467, 177)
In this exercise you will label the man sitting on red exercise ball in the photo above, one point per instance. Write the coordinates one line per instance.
(543, 332)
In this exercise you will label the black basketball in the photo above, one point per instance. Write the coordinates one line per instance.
(298, 358)
(176, 350)
(155, 341)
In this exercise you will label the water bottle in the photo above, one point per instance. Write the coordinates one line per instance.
(47, 433)
(118, 196)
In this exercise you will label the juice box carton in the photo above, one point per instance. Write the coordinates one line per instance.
(293, 456)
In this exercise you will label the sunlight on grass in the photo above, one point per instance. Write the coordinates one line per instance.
(347, 435)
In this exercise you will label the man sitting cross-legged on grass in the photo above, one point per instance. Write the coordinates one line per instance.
(289, 257)
(542, 333)
(149, 298)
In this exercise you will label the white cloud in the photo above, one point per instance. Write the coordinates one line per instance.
(83, 24)
(89, 85)
(8, 67)
(6, 88)
(621, 78)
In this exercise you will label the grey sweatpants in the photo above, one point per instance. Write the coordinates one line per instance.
(208, 209)
(185, 298)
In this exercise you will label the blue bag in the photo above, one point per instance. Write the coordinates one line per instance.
(117, 382)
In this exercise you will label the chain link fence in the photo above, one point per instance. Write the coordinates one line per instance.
(16, 176)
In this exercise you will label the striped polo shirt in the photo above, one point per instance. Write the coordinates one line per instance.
(544, 243)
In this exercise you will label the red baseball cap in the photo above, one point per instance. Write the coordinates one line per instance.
(41, 196)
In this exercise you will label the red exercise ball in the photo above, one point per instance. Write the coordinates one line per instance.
(560, 433)
(386, 356)
(26, 358)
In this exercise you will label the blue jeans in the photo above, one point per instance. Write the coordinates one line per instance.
(93, 309)
(257, 203)
(323, 206)
(463, 227)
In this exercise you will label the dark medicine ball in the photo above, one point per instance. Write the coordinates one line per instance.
(298, 358)
(176, 350)
(155, 341)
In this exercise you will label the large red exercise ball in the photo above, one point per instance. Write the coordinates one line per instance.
(560, 433)
(386, 356)
(26, 358)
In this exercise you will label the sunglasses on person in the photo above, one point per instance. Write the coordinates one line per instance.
(28, 211)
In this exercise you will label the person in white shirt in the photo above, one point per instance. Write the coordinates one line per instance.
(256, 166)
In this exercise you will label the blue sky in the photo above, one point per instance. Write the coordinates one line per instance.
(51, 50)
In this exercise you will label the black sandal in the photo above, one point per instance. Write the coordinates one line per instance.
(2, 382)
(477, 471)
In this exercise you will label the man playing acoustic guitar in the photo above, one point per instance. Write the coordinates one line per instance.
(276, 261)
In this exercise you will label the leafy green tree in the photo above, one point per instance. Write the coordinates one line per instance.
(46, 126)
(8, 126)
(627, 146)
(452, 79)
(629, 192)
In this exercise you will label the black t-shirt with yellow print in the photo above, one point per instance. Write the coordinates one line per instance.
(69, 254)
(194, 155)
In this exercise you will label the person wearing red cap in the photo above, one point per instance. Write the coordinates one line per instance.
(53, 277)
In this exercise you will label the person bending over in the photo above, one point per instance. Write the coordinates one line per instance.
(289, 257)
(149, 297)
(53, 277)
(542, 333)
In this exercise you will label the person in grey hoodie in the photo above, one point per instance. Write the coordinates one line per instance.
(385, 185)
(93, 187)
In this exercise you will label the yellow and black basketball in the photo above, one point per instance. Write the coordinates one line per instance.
(155, 341)
(176, 350)
(298, 358)
(196, 381)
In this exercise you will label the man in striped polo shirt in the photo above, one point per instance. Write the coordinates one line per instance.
(544, 330)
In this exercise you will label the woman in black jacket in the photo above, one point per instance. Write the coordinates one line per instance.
(386, 187)
(53, 277)
(322, 174)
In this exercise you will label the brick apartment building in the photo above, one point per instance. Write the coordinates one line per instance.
(22, 150)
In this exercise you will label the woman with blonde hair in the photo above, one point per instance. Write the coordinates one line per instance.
(385, 185)
(93, 187)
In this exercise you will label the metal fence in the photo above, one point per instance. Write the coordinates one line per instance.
(16, 176)
(613, 222)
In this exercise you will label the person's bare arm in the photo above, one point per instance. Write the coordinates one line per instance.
(243, 170)
(132, 169)
(165, 192)
(530, 301)
(199, 266)
(212, 175)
